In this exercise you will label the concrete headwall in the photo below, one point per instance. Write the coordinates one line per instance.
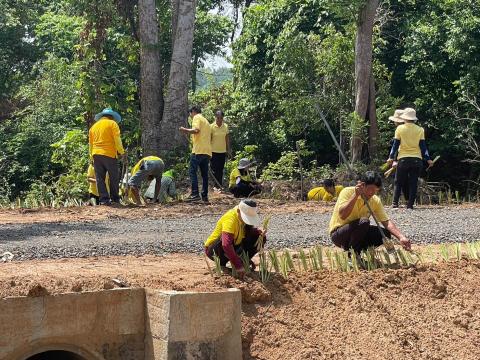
(124, 324)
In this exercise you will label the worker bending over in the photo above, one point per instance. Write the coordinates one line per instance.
(148, 168)
(236, 232)
(241, 184)
(167, 189)
(328, 192)
(350, 224)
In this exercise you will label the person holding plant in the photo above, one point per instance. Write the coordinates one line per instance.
(241, 182)
(220, 147)
(350, 227)
(150, 167)
(105, 145)
(410, 143)
(236, 232)
(328, 192)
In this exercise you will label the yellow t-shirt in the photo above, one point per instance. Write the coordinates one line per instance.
(409, 135)
(92, 187)
(219, 141)
(230, 223)
(359, 211)
(320, 193)
(140, 162)
(104, 138)
(202, 142)
(235, 174)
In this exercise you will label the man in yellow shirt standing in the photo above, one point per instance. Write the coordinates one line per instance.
(220, 146)
(350, 227)
(104, 145)
(410, 143)
(201, 152)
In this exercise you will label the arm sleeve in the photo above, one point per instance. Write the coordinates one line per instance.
(423, 148)
(227, 244)
(90, 143)
(394, 150)
(117, 139)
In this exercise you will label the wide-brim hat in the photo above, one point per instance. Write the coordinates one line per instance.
(243, 164)
(248, 212)
(109, 111)
(396, 116)
(409, 114)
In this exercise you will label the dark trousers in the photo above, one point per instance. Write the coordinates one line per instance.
(358, 235)
(408, 171)
(217, 163)
(245, 189)
(199, 161)
(103, 165)
(247, 245)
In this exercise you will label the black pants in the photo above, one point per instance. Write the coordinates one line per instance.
(103, 165)
(408, 171)
(217, 163)
(245, 189)
(247, 245)
(358, 235)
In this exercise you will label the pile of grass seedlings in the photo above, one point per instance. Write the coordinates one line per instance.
(319, 258)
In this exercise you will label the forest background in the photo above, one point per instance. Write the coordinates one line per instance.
(62, 61)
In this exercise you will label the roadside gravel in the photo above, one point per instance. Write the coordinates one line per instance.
(186, 235)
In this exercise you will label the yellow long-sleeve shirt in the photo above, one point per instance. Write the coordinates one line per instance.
(104, 138)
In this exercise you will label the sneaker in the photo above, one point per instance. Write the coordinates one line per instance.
(205, 201)
(193, 198)
(394, 206)
(409, 208)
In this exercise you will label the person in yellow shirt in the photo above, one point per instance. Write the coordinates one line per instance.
(92, 185)
(328, 192)
(410, 143)
(220, 146)
(236, 232)
(241, 183)
(349, 225)
(104, 146)
(148, 168)
(201, 152)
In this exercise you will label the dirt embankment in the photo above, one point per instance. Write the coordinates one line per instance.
(428, 312)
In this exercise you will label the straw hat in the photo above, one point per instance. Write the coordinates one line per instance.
(248, 212)
(409, 114)
(396, 116)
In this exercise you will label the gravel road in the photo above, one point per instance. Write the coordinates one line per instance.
(160, 236)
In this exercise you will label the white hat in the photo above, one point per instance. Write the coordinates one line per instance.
(248, 212)
(409, 114)
(243, 164)
(396, 116)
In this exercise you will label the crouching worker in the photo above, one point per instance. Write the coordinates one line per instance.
(167, 189)
(328, 192)
(148, 168)
(94, 198)
(236, 232)
(350, 224)
(241, 184)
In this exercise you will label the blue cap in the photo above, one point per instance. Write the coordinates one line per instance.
(109, 111)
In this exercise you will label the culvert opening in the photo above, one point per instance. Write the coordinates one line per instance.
(56, 355)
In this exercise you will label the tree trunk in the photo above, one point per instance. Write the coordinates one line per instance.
(363, 72)
(194, 73)
(151, 98)
(176, 103)
(372, 117)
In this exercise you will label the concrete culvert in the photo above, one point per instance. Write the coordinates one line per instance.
(56, 355)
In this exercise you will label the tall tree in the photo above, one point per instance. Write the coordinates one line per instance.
(364, 82)
(176, 102)
(151, 84)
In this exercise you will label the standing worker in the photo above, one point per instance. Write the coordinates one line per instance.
(201, 152)
(328, 192)
(410, 143)
(350, 227)
(104, 146)
(220, 146)
(398, 121)
(149, 167)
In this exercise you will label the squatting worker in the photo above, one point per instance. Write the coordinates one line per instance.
(148, 168)
(220, 146)
(410, 143)
(92, 185)
(167, 189)
(104, 146)
(328, 192)
(398, 121)
(236, 232)
(201, 152)
(350, 224)
(241, 182)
